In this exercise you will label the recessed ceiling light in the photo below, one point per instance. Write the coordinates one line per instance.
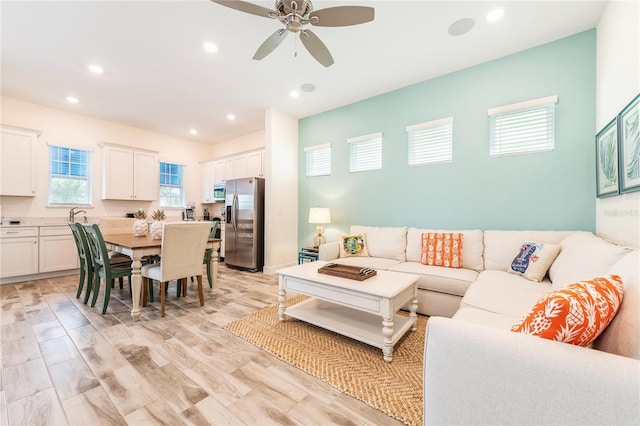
(209, 47)
(461, 26)
(193, 131)
(495, 15)
(307, 87)
(96, 69)
(231, 117)
(72, 99)
(294, 94)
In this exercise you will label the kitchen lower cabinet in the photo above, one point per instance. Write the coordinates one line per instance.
(18, 251)
(57, 249)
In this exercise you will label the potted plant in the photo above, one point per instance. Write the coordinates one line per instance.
(158, 217)
(140, 226)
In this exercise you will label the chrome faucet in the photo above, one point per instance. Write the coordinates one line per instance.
(73, 213)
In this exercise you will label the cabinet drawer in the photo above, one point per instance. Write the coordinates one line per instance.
(30, 231)
(46, 231)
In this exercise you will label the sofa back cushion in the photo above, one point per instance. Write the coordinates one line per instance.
(471, 246)
(501, 247)
(387, 242)
(582, 257)
(622, 337)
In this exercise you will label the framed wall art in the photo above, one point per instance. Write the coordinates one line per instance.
(629, 146)
(607, 160)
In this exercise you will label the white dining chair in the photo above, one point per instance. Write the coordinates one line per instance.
(183, 248)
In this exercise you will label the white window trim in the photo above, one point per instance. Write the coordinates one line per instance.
(523, 105)
(365, 137)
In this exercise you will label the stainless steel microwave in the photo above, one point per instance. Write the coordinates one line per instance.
(218, 191)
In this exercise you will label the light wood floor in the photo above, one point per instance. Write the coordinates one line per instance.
(64, 363)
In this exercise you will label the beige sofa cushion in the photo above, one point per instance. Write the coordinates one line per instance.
(622, 337)
(501, 247)
(489, 319)
(385, 241)
(504, 293)
(472, 246)
(584, 256)
(438, 278)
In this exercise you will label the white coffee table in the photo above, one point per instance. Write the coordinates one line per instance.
(355, 309)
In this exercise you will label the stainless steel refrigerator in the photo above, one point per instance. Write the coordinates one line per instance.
(244, 223)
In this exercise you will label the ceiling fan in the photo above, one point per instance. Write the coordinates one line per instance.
(295, 14)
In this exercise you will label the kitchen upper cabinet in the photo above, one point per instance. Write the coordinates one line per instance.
(219, 171)
(57, 249)
(228, 169)
(240, 167)
(18, 161)
(255, 163)
(207, 175)
(129, 174)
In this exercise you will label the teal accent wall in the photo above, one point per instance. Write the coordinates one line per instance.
(551, 190)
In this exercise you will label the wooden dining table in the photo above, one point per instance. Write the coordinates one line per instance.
(139, 247)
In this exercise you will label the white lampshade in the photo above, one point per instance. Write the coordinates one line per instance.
(319, 215)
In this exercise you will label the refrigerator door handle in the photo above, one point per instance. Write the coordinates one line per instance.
(235, 212)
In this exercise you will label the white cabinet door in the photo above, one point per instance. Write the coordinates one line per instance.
(207, 179)
(117, 173)
(219, 171)
(129, 174)
(57, 253)
(255, 163)
(228, 170)
(18, 162)
(240, 167)
(145, 176)
(18, 256)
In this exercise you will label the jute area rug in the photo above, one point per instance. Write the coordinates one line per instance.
(352, 367)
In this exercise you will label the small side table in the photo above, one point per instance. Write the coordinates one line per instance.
(309, 254)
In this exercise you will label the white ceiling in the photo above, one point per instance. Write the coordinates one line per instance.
(158, 77)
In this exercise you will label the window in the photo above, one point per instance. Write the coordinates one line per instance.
(431, 142)
(522, 128)
(69, 176)
(365, 152)
(171, 190)
(318, 159)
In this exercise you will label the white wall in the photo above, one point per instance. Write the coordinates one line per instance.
(74, 130)
(281, 195)
(248, 142)
(618, 82)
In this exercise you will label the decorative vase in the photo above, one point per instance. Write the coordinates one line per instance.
(156, 229)
(140, 228)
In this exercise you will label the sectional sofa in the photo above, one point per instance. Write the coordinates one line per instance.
(476, 370)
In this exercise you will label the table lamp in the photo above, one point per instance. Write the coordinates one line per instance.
(319, 216)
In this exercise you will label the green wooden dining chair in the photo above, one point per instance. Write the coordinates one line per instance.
(105, 267)
(86, 261)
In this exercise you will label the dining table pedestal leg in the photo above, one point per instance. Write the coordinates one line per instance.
(136, 287)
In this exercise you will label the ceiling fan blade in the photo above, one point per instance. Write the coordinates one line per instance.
(270, 44)
(316, 48)
(342, 16)
(247, 7)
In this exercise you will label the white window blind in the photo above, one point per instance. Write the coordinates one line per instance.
(522, 128)
(69, 175)
(365, 152)
(431, 142)
(318, 159)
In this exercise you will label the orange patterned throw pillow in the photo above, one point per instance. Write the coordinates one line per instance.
(575, 314)
(442, 249)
